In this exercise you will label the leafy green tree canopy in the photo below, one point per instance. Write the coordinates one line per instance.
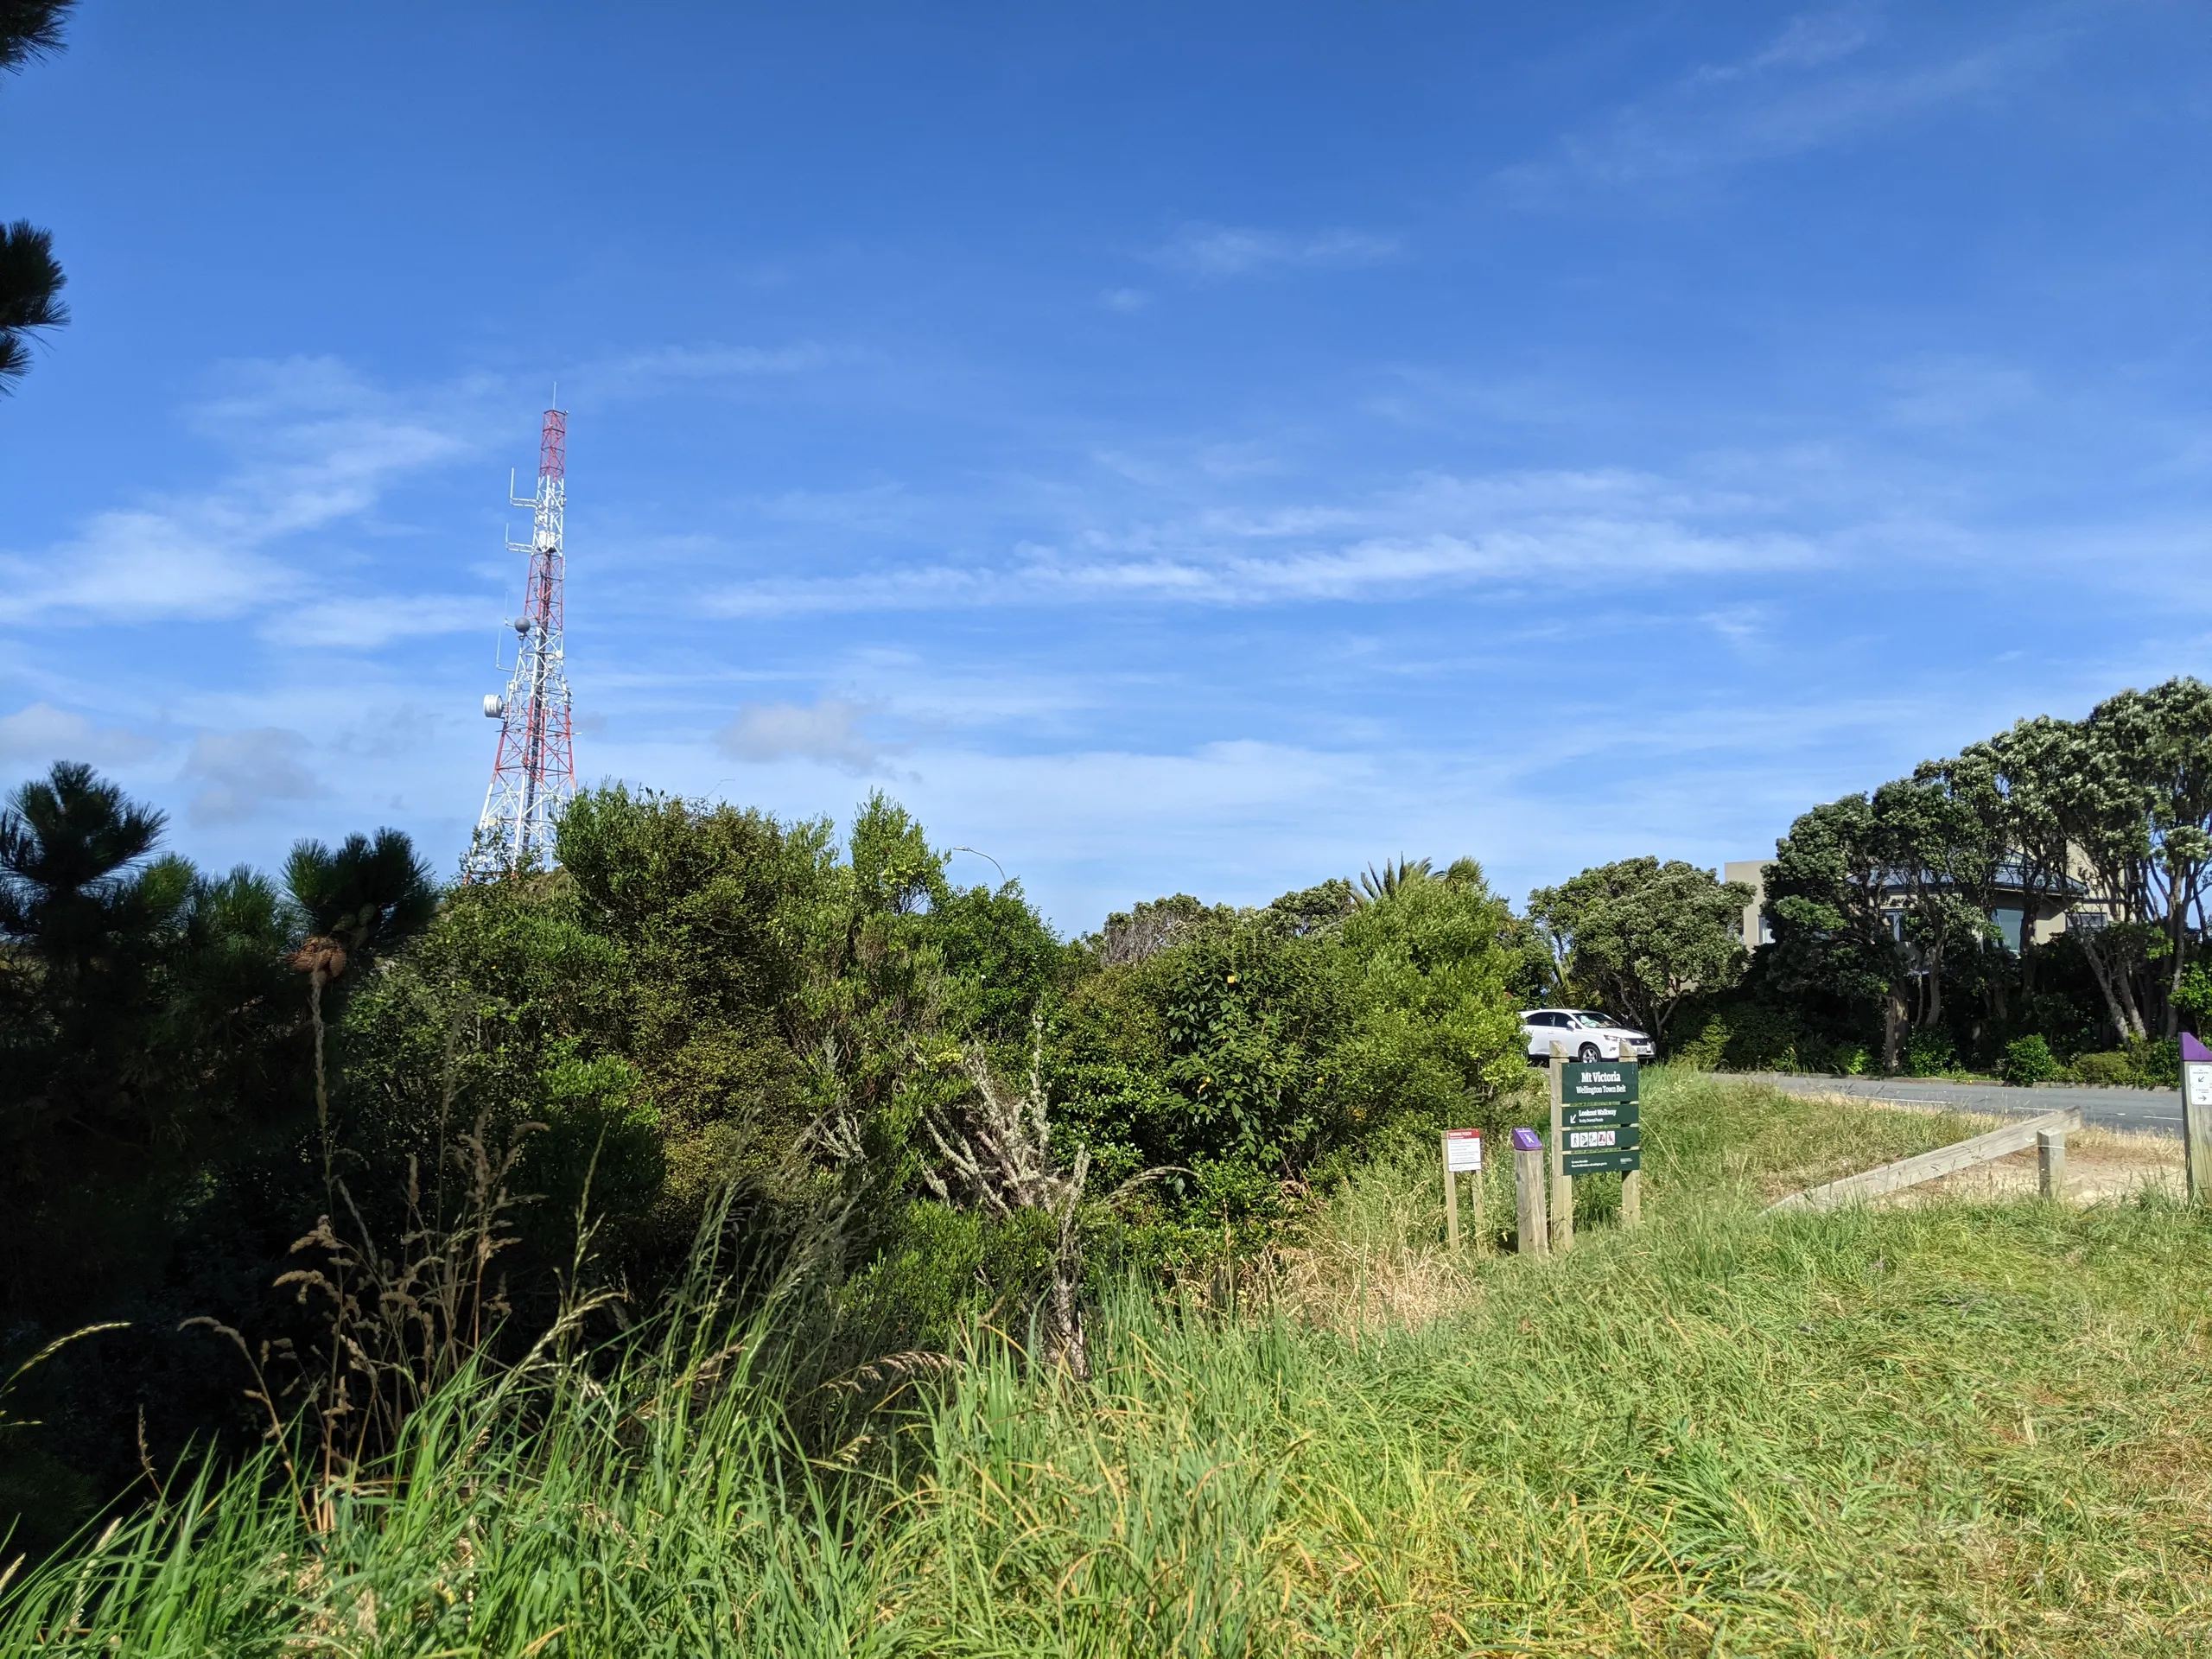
(1643, 935)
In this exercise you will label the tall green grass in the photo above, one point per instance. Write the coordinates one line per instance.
(1941, 1430)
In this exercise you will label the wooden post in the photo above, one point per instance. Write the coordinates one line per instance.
(2196, 1119)
(1481, 1238)
(1632, 1180)
(1452, 1196)
(1562, 1197)
(1529, 1199)
(2196, 1149)
(2050, 1162)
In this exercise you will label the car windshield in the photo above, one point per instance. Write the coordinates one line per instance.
(1597, 1021)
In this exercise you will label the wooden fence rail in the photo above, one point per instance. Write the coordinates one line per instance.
(1944, 1161)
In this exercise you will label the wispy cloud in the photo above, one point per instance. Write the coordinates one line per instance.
(640, 373)
(828, 731)
(315, 446)
(42, 732)
(192, 561)
(1218, 250)
(236, 775)
(1825, 78)
(1957, 392)
(1439, 532)
(370, 620)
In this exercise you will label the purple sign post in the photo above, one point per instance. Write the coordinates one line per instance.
(2197, 1114)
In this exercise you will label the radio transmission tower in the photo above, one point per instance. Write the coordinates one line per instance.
(534, 775)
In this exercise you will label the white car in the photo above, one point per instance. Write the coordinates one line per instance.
(1588, 1035)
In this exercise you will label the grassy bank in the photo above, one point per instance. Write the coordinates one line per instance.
(1947, 1430)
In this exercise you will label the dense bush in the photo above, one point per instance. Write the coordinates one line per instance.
(2028, 1060)
(1243, 1049)
(2115, 1070)
(2155, 1064)
(1744, 1035)
(1929, 1053)
(701, 1015)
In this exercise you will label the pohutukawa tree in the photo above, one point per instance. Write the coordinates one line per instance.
(1642, 936)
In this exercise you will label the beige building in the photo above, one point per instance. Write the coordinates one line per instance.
(1752, 930)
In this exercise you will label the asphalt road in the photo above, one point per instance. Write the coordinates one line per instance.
(2154, 1111)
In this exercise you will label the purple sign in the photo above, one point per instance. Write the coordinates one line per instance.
(1526, 1140)
(2193, 1050)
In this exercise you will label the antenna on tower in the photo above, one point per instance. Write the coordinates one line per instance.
(534, 772)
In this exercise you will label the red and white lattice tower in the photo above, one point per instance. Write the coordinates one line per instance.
(535, 773)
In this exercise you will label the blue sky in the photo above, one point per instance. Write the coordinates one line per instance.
(1186, 447)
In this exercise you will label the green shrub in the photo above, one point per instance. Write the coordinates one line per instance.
(930, 1276)
(2156, 1062)
(2146, 1062)
(1761, 1037)
(1245, 1049)
(2059, 1020)
(1929, 1054)
(1705, 1050)
(2110, 1071)
(2028, 1060)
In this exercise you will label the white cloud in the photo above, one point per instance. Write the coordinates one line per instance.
(1438, 532)
(41, 734)
(387, 734)
(142, 565)
(1125, 299)
(315, 447)
(1960, 392)
(238, 774)
(642, 372)
(1739, 625)
(1804, 43)
(925, 587)
(1824, 79)
(365, 623)
(1236, 251)
(829, 731)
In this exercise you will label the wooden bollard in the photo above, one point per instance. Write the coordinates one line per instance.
(1451, 1201)
(1530, 1177)
(2050, 1163)
(2196, 1116)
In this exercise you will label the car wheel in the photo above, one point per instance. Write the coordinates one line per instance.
(1589, 1053)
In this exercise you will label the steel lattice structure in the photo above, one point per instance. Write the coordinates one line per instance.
(534, 775)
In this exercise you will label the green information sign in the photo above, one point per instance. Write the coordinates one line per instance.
(1599, 1083)
(1604, 1138)
(1579, 1117)
(1599, 1130)
(1601, 1163)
